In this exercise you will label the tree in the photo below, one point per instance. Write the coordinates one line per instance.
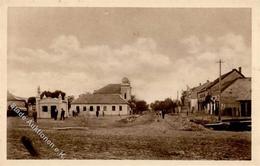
(167, 105)
(137, 106)
(54, 94)
(32, 100)
(155, 105)
(141, 106)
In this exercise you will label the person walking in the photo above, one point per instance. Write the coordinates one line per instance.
(35, 115)
(62, 115)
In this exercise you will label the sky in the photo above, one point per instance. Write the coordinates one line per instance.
(160, 50)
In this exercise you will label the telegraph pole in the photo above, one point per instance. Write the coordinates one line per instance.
(219, 111)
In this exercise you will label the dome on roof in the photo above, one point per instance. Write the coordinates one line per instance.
(125, 80)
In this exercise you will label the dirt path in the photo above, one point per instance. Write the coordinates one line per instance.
(144, 138)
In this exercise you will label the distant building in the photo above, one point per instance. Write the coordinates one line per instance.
(112, 99)
(20, 102)
(232, 104)
(193, 97)
(47, 105)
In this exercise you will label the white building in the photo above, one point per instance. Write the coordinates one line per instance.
(46, 106)
(109, 100)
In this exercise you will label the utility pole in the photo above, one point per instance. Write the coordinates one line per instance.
(219, 111)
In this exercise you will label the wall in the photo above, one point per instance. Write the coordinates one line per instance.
(51, 102)
(126, 89)
(194, 103)
(125, 109)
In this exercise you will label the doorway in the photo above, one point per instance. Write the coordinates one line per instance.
(53, 108)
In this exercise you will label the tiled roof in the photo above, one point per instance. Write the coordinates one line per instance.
(109, 89)
(100, 99)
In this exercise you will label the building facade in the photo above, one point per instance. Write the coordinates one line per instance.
(208, 97)
(112, 99)
(46, 106)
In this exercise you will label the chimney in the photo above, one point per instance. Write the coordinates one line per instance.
(240, 69)
(200, 84)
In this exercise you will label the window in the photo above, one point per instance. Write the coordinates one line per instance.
(98, 108)
(125, 95)
(91, 108)
(113, 108)
(44, 109)
(104, 108)
(84, 108)
(120, 108)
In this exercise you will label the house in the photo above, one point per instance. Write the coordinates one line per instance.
(208, 97)
(20, 102)
(111, 99)
(46, 105)
(237, 98)
(193, 98)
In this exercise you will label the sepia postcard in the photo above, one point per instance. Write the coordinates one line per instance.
(172, 83)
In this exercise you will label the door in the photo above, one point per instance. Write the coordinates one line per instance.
(53, 108)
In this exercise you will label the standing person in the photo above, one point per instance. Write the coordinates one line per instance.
(35, 115)
(62, 115)
(163, 113)
(97, 113)
(56, 114)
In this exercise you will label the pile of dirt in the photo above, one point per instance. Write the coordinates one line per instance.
(135, 120)
(129, 119)
(182, 123)
(190, 126)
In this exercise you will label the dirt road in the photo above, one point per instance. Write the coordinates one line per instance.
(145, 137)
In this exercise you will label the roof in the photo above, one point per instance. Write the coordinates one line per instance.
(198, 89)
(11, 97)
(241, 88)
(109, 89)
(100, 99)
(216, 81)
(125, 80)
(224, 86)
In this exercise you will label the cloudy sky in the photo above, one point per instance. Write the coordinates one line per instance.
(160, 50)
